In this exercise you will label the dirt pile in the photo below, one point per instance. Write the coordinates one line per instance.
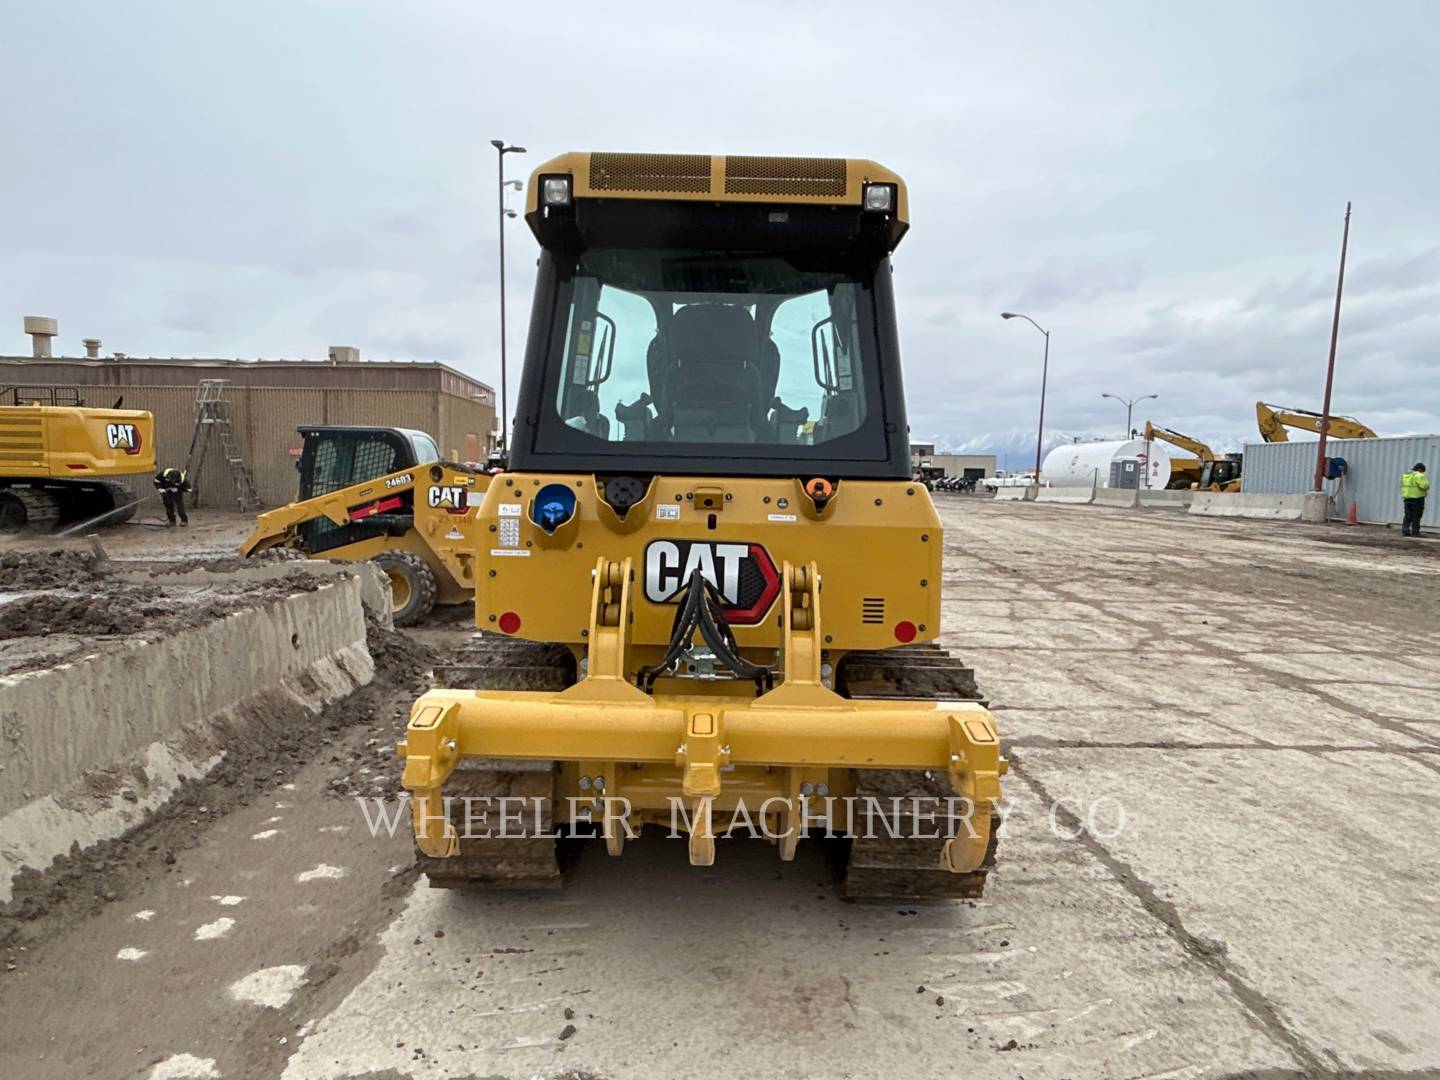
(47, 570)
(363, 760)
(228, 564)
(92, 614)
(80, 612)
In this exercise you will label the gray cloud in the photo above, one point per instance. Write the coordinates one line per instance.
(1161, 186)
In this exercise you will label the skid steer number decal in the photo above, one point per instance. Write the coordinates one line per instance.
(123, 437)
(447, 497)
(743, 574)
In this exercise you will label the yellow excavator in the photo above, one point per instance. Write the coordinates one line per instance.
(59, 459)
(709, 590)
(1205, 470)
(1274, 419)
(383, 495)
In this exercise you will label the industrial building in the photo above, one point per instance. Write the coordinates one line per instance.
(924, 461)
(264, 402)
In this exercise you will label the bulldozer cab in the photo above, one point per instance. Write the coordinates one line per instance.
(333, 458)
(749, 338)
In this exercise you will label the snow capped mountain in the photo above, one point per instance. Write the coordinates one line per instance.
(1017, 444)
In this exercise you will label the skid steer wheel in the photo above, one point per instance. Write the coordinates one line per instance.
(412, 586)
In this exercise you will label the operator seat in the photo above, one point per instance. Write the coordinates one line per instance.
(707, 377)
(585, 413)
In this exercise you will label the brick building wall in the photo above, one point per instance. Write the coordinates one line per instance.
(268, 400)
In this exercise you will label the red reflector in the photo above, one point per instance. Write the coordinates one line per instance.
(905, 632)
(72, 465)
(509, 622)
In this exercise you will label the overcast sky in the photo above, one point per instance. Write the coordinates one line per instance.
(1161, 185)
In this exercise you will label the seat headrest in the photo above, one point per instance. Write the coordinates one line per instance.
(584, 402)
(700, 331)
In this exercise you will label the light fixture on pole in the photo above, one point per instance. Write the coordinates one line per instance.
(1044, 378)
(1129, 408)
(501, 150)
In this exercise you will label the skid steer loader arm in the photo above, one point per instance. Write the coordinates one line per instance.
(382, 495)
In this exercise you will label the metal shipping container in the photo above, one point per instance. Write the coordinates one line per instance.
(1371, 480)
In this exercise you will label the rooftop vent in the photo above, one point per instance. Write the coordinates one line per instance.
(344, 354)
(41, 329)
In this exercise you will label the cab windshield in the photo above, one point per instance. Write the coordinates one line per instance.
(663, 350)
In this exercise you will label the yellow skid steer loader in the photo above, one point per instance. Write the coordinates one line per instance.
(382, 494)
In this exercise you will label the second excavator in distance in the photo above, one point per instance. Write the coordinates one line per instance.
(709, 589)
(1274, 419)
(61, 460)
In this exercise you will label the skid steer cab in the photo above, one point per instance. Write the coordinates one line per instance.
(708, 589)
(383, 495)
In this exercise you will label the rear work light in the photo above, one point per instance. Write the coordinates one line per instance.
(880, 197)
(555, 190)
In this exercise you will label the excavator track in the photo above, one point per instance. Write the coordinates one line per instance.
(526, 856)
(906, 865)
(123, 503)
(25, 509)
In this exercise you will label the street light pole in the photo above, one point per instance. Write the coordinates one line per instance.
(1044, 378)
(501, 150)
(1129, 408)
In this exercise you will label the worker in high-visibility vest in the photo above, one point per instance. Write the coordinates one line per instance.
(1414, 486)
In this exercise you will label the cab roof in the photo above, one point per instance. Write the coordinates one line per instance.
(719, 178)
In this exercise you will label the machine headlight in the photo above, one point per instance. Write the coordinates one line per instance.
(880, 197)
(556, 190)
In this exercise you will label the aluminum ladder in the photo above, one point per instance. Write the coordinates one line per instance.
(212, 420)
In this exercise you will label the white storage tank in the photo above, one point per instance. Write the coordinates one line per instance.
(1128, 463)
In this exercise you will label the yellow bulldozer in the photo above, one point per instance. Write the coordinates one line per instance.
(709, 590)
(59, 459)
(383, 495)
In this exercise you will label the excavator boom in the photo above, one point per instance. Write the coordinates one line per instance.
(1274, 419)
(1184, 442)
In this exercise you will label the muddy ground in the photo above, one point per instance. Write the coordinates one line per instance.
(55, 605)
(1220, 860)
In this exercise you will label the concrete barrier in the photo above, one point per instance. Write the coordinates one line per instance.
(95, 745)
(1075, 496)
(1307, 506)
(1167, 500)
(1119, 497)
(1015, 494)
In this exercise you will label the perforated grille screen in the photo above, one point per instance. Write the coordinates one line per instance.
(21, 439)
(650, 172)
(784, 176)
